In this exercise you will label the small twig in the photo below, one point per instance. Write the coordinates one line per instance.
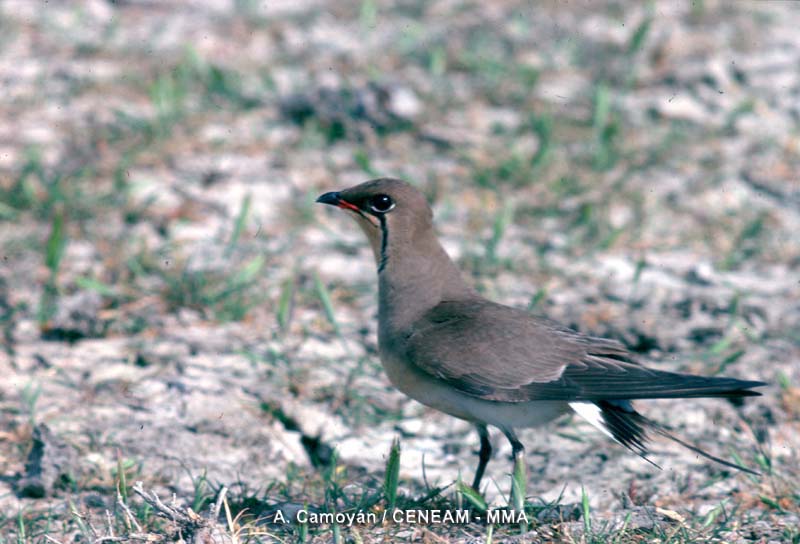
(82, 519)
(231, 523)
(143, 537)
(174, 514)
(191, 526)
(53, 540)
(109, 524)
(130, 520)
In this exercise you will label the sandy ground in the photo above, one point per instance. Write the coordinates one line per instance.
(175, 307)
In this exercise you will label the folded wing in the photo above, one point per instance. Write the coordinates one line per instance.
(499, 353)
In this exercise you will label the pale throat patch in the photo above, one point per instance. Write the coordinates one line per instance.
(377, 234)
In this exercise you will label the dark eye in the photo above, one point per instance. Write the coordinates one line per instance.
(381, 203)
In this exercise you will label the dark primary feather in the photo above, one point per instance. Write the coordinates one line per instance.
(500, 353)
(629, 428)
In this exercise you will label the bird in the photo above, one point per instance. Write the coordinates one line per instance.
(444, 345)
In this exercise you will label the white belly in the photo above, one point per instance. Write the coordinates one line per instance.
(433, 392)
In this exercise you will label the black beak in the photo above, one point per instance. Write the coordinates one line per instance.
(333, 198)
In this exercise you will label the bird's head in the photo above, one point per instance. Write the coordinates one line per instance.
(387, 210)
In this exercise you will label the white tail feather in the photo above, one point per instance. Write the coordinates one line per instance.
(592, 413)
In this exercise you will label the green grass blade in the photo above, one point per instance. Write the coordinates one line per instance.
(637, 40)
(92, 284)
(602, 109)
(239, 225)
(327, 305)
(392, 477)
(53, 253)
(713, 514)
(537, 297)
(56, 242)
(784, 381)
(772, 503)
(21, 533)
(499, 227)
(543, 128)
(122, 481)
(249, 271)
(519, 484)
(472, 496)
(285, 303)
(302, 532)
(587, 514)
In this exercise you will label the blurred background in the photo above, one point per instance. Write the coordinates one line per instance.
(174, 309)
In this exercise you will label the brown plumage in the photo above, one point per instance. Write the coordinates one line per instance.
(444, 345)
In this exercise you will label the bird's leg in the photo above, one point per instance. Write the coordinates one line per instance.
(519, 478)
(483, 456)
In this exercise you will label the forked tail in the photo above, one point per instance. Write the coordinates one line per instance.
(620, 421)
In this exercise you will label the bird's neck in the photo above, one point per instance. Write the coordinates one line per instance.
(415, 276)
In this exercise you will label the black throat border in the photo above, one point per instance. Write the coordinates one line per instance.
(384, 242)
